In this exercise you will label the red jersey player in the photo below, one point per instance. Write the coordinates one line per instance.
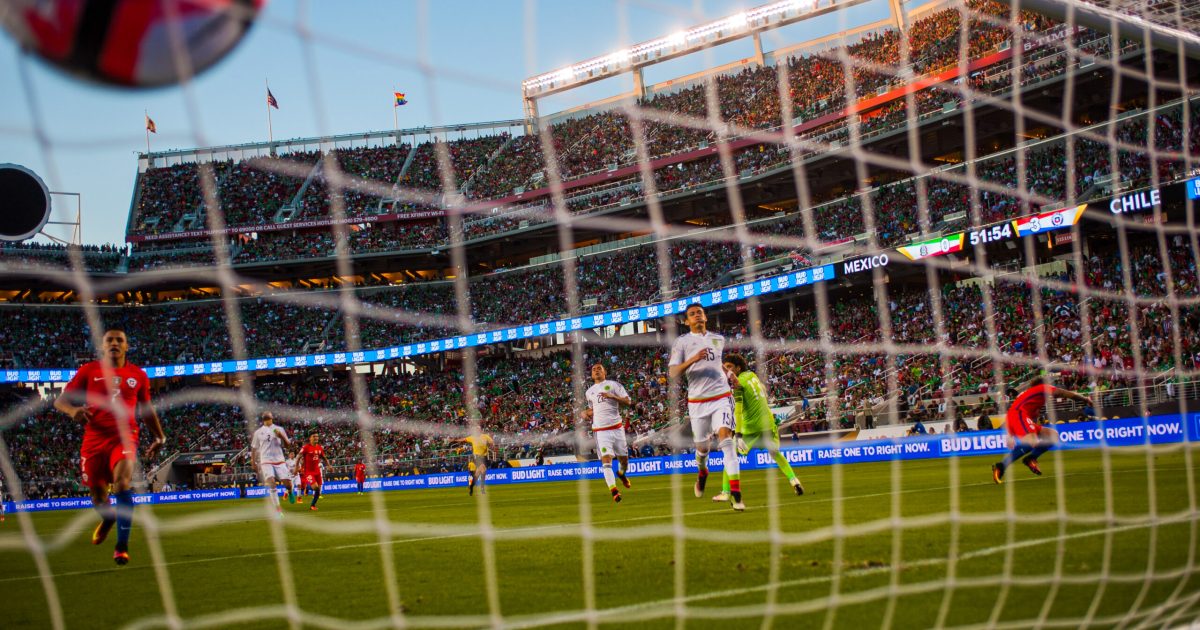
(107, 397)
(1021, 423)
(360, 475)
(312, 455)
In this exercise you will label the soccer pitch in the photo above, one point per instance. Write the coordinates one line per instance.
(867, 544)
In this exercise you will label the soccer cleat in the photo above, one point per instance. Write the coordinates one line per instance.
(735, 500)
(797, 487)
(616, 495)
(624, 480)
(1032, 465)
(700, 481)
(997, 473)
(292, 497)
(101, 531)
(721, 498)
(313, 508)
(121, 558)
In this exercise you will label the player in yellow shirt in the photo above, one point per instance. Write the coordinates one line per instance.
(481, 446)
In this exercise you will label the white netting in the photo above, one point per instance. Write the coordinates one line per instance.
(931, 140)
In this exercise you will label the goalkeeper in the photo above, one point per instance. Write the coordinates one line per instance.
(755, 421)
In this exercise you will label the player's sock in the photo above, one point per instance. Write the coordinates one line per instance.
(1037, 452)
(784, 465)
(702, 463)
(609, 478)
(316, 497)
(106, 511)
(124, 518)
(733, 466)
(733, 471)
(274, 492)
(725, 482)
(1013, 455)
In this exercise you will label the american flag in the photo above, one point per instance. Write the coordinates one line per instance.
(271, 99)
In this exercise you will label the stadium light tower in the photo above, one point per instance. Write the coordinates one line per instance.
(750, 23)
(29, 209)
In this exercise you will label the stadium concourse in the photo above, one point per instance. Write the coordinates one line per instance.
(408, 295)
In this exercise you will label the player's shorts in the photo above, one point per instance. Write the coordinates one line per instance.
(611, 442)
(312, 478)
(767, 439)
(100, 454)
(709, 417)
(1019, 425)
(279, 472)
(479, 461)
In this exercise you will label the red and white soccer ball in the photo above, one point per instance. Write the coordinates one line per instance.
(131, 43)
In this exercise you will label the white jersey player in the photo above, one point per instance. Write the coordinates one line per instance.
(293, 469)
(267, 450)
(605, 398)
(710, 398)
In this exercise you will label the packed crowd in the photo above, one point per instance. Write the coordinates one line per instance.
(60, 337)
(96, 258)
(529, 398)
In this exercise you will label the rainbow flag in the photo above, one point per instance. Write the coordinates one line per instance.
(400, 100)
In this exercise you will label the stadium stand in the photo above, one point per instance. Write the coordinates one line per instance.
(526, 398)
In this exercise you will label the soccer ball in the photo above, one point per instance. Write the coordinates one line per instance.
(130, 43)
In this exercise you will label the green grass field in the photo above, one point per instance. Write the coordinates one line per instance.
(844, 557)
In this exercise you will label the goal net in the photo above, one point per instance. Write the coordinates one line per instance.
(900, 222)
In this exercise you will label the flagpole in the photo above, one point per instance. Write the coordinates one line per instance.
(147, 126)
(270, 130)
(395, 115)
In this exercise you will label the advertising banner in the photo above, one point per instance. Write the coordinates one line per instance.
(1125, 432)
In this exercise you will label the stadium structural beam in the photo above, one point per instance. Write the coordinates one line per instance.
(711, 34)
(899, 18)
(1133, 20)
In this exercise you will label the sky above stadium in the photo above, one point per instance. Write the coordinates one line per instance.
(457, 62)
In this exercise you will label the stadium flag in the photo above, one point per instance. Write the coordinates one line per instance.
(799, 258)
(939, 246)
(150, 128)
(1049, 221)
(271, 102)
(400, 100)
